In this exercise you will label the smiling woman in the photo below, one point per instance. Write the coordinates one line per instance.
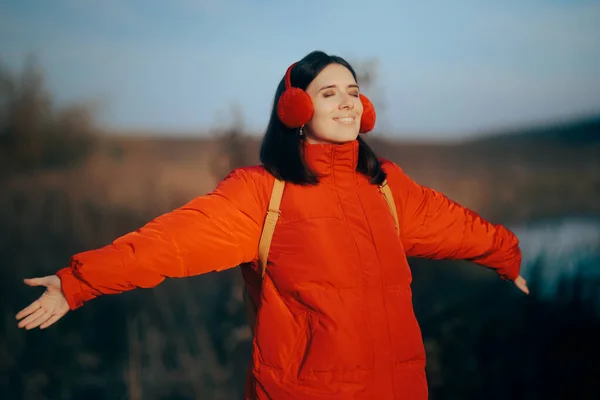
(322, 241)
(324, 105)
(337, 105)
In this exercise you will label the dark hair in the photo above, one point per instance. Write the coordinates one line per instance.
(281, 149)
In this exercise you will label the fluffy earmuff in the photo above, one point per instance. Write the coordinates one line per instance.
(367, 120)
(295, 107)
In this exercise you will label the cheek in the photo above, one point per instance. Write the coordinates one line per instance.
(323, 107)
(322, 114)
(358, 106)
(318, 125)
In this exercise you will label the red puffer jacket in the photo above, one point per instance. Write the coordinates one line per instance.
(336, 318)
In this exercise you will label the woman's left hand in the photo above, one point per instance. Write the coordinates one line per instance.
(521, 283)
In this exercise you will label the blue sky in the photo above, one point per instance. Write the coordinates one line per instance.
(447, 69)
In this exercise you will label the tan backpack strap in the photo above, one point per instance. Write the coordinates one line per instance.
(269, 226)
(389, 198)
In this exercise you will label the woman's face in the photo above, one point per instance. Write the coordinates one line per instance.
(338, 108)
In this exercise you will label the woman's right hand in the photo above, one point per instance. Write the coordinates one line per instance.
(49, 308)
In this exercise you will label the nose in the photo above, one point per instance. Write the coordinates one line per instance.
(347, 102)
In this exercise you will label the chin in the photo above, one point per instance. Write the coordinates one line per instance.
(348, 137)
(337, 135)
(344, 134)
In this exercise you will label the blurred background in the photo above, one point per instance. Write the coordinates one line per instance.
(114, 112)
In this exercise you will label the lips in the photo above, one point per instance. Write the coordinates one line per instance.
(345, 120)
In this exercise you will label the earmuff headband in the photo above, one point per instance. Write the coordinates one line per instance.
(295, 107)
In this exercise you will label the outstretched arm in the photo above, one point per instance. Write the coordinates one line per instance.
(210, 233)
(434, 226)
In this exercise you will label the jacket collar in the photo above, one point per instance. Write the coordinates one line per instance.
(332, 159)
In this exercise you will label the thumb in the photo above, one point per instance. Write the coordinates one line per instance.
(37, 281)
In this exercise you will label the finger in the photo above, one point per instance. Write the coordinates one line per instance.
(37, 322)
(52, 320)
(31, 318)
(524, 288)
(28, 310)
(36, 281)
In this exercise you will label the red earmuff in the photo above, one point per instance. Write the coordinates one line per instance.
(295, 107)
(367, 120)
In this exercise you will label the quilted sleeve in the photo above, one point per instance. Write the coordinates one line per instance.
(434, 226)
(210, 233)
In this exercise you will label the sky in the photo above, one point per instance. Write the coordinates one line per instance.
(446, 69)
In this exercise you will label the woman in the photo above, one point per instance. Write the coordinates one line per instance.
(335, 316)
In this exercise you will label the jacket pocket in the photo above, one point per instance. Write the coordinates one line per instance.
(279, 333)
(301, 348)
(324, 365)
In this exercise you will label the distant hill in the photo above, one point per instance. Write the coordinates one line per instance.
(514, 176)
(517, 175)
(573, 132)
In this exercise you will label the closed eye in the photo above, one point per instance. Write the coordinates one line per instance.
(329, 94)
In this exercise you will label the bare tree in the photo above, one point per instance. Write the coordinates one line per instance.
(33, 133)
(232, 146)
(369, 78)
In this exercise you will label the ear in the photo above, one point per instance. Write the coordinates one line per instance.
(367, 120)
(295, 108)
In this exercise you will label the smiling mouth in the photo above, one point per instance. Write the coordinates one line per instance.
(345, 120)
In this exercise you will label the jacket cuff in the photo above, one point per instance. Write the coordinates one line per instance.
(73, 289)
(513, 269)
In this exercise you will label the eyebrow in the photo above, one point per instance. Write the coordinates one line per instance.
(333, 86)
